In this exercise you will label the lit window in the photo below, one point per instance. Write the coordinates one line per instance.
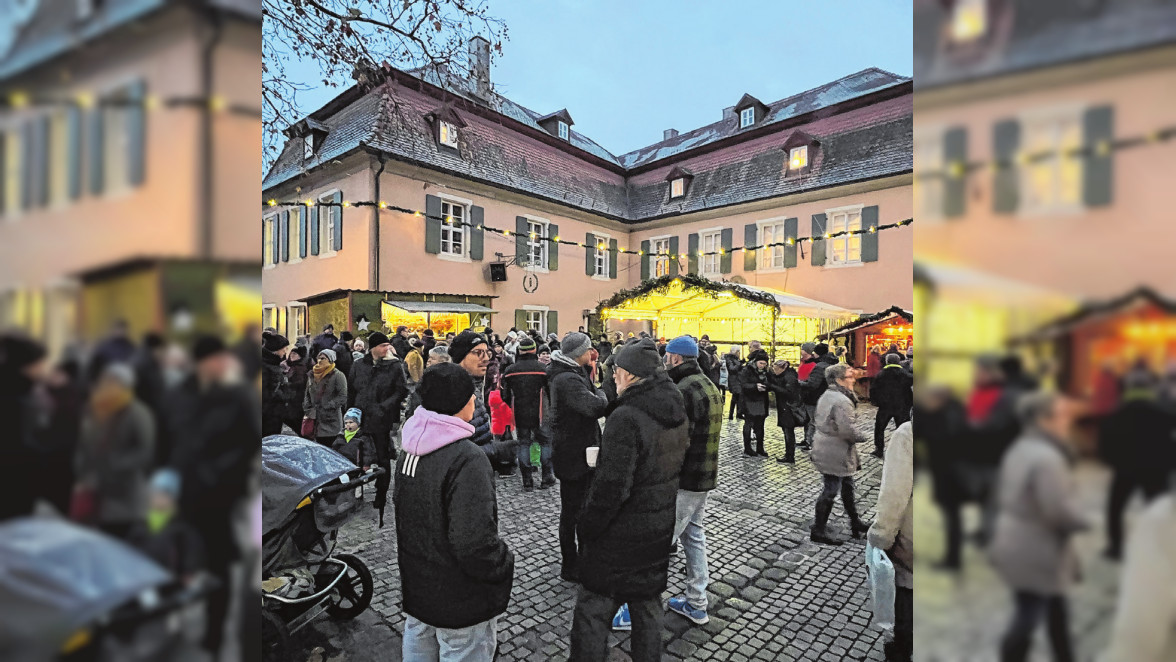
(329, 215)
(969, 20)
(268, 317)
(601, 257)
(269, 252)
(293, 238)
(798, 157)
(1052, 182)
(772, 257)
(661, 249)
(537, 244)
(536, 320)
(747, 117)
(448, 135)
(115, 120)
(452, 231)
(845, 249)
(710, 243)
(929, 184)
(13, 149)
(296, 321)
(563, 130)
(308, 146)
(678, 187)
(58, 159)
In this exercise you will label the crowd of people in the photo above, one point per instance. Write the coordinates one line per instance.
(447, 415)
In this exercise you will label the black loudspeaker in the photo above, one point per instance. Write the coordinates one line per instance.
(497, 272)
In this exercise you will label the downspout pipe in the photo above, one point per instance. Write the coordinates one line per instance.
(206, 192)
(374, 230)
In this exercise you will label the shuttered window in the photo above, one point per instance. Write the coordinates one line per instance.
(710, 242)
(329, 218)
(453, 235)
(845, 249)
(13, 171)
(537, 244)
(929, 165)
(771, 257)
(660, 248)
(1051, 179)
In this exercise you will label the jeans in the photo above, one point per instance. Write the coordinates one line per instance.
(884, 417)
(689, 527)
(1030, 608)
(593, 621)
(571, 499)
(425, 643)
(523, 454)
(833, 485)
(810, 428)
(753, 424)
(901, 649)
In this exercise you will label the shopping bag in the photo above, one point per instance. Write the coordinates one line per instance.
(880, 572)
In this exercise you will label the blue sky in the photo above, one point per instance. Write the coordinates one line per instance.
(628, 70)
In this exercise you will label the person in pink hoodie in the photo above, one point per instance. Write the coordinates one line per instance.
(456, 572)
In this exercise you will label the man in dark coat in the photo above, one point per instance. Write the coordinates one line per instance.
(26, 421)
(115, 348)
(324, 340)
(753, 401)
(942, 427)
(456, 571)
(149, 385)
(790, 411)
(627, 524)
(400, 342)
(891, 392)
(382, 387)
(576, 405)
(992, 428)
(734, 366)
(813, 385)
(523, 387)
(275, 396)
(604, 348)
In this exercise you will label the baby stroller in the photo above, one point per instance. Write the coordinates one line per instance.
(308, 492)
(72, 593)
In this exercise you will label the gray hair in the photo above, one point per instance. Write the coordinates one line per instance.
(837, 372)
(441, 353)
(1034, 406)
(893, 359)
(121, 373)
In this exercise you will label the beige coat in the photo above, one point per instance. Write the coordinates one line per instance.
(893, 528)
(1039, 514)
(1145, 621)
(835, 443)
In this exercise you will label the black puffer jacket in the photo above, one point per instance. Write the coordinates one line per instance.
(812, 388)
(481, 419)
(275, 396)
(627, 522)
(575, 406)
(523, 386)
(344, 361)
(381, 388)
(891, 390)
(789, 409)
(752, 401)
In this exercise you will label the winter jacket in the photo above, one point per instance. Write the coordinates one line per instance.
(275, 397)
(893, 529)
(415, 364)
(734, 365)
(501, 417)
(1145, 621)
(710, 364)
(381, 388)
(361, 450)
(321, 341)
(891, 389)
(114, 458)
(481, 420)
(523, 388)
(790, 412)
(815, 385)
(605, 349)
(575, 407)
(400, 346)
(177, 547)
(296, 377)
(1139, 438)
(752, 401)
(455, 570)
(835, 442)
(324, 401)
(805, 369)
(627, 523)
(343, 362)
(1039, 513)
(704, 410)
(991, 436)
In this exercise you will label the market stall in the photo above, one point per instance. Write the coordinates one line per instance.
(441, 316)
(729, 313)
(892, 328)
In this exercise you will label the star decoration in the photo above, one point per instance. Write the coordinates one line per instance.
(362, 322)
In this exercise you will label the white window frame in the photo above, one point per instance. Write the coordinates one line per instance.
(291, 319)
(447, 133)
(746, 117)
(657, 260)
(452, 201)
(766, 262)
(269, 313)
(116, 164)
(327, 222)
(537, 243)
(308, 146)
(969, 20)
(292, 235)
(929, 159)
(542, 310)
(678, 187)
(1054, 120)
(563, 129)
(600, 256)
(846, 211)
(57, 151)
(716, 234)
(802, 150)
(14, 171)
(269, 225)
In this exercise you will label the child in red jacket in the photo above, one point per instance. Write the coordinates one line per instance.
(501, 416)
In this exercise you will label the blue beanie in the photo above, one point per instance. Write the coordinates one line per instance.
(354, 413)
(166, 481)
(683, 346)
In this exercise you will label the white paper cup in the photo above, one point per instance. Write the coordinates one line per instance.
(592, 452)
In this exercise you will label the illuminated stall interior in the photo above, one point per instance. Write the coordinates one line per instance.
(441, 317)
(729, 313)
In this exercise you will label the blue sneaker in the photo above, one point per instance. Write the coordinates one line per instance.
(680, 606)
(622, 622)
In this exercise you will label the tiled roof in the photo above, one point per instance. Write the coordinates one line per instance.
(858, 144)
(1041, 33)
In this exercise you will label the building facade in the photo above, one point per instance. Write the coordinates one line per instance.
(830, 159)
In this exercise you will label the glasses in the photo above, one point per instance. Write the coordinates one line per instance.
(480, 353)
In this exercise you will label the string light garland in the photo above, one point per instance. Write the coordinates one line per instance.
(450, 221)
(85, 101)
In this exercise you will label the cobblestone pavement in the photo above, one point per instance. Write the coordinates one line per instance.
(774, 595)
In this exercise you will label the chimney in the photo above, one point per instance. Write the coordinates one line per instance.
(669, 133)
(729, 113)
(480, 66)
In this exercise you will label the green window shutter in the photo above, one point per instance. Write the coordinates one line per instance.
(791, 229)
(552, 248)
(284, 236)
(818, 251)
(869, 239)
(520, 319)
(955, 150)
(302, 238)
(43, 124)
(612, 258)
(315, 230)
(644, 260)
(590, 254)
(136, 134)
(274, 240)
(750, 237)
(73, 145)
(1006, 140)
(432, 224)
(692, 253)
(1098, 127)
(96, 151)
(521, 240)
(477, 234)
(727, 237)
(337, 240)
(552, 321)
(674, 256)
(4, 147)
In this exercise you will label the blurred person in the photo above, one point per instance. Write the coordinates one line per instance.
(414, 363)
(1038, 514)
(553, 342)
(628, 520)
(456, 570)
(429, 340)
(1106, 390)
(115, 454)
(892, 392)
(575, 407)
(353, 442)
(992, 427)
(524, 387)
(753, 400)
(942, 428)
(813, 385)
(908, 361)
(380, 388)
(400, 342)
(449, 337)
(275, 396)
(297, 374)
(55, 476)
(25, 414)
(716, 363)
(116, 347)
(163, 535)
(790, 411)
(325, 340)
(842, 355)
(835, 452)
(149, 381)
(604, 347)
(471, 351)
(325, 398)
(734, 366)
(247, 349)
(700, 472)
(343, 357)
(893, 532)
(873, 363)
(1015, 375)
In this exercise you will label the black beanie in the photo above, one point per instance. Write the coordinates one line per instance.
(445, 388)
(375, 339)
(757, 355)
(462, 345)
(207, 346)
(275, 342)
(18, 351)
(527, 345)
(821, 349)
(346, 336)
(640, 358)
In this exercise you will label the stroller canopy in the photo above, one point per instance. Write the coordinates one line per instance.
(56, 577)
(292, 468)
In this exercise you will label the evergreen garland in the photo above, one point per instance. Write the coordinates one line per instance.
(661, 286)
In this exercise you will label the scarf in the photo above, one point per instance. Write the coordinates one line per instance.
(109, 400)
(350, 434)
(981, 402)
(320, 371)
(157, 519)
(834, 386)
(557, 355)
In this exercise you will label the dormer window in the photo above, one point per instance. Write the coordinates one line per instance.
(746, 117)
(969, 20)
(308, 146)
(558, 124)
(563, 130)
(751, 111)
(798, 157)
(678, 188)
(446, 124)
(801, 151)
(311, 132)
(448, 134)
(679, 179)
